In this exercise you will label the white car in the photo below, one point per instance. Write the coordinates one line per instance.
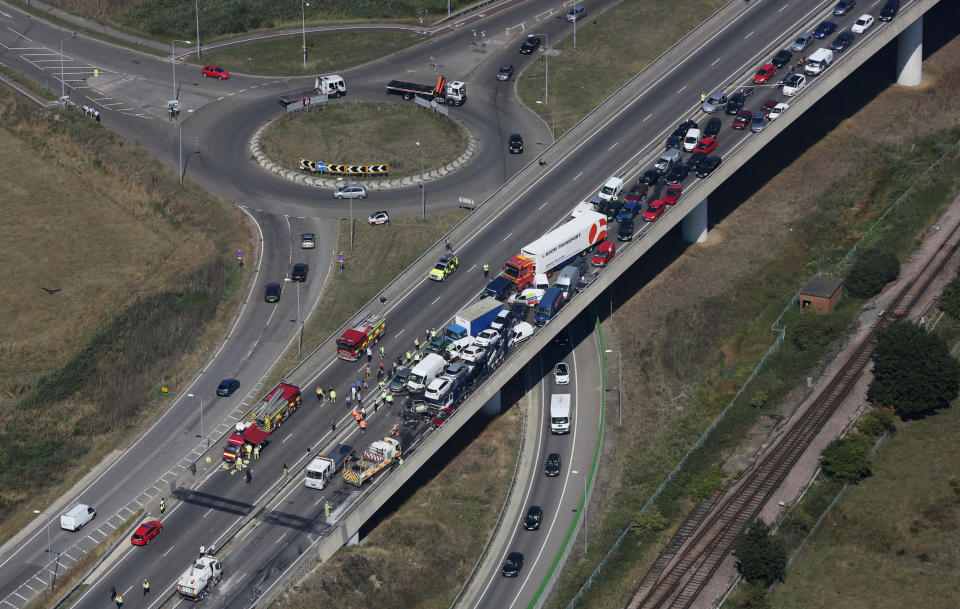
(308, 241)
(561, 374)
(455, 348)
(379, 217)
(350, 191)
(794, 85)
(862, 25)
(487, 337)
(531, 296)
(777, 111)
(471, 353)
(691, 140)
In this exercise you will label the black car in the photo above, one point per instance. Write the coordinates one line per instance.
(612, 208)
(505, 72)
(552, 468)
(673, 141)
(513, 564)
(625, 231)
(707, 166)
(687, 126)
(399, 380)
(227, 387)
(300, 271)
(586, 280)
(696, 159)
(824, 29)
(677, 174)
(889, 10)
(712, 128)
(735, 104)
(531, 44)
(410, 419)
(843, 40)
(516, 143)
(534, 518)
(271, 292)
(651, 177)
(843, 7)
(782, 58)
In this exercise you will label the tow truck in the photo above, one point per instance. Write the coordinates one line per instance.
(452, 92)
(378, 455)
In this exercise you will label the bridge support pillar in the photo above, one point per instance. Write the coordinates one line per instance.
(694, 225)
(354, 540)
(492, 407)
(910, 54)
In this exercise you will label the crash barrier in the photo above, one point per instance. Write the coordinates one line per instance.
(323, 167)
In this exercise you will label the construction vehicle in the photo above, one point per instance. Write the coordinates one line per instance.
(321, 469)
(452, 92)
(378, 455)
(353, 342)
(556, 249)
(324, 87)
(202, 577)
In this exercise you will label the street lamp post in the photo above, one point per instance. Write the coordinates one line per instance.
(190, 395)
(173, 62)
(619, 385)
(63, 93)
(423, 192)
(543, 51)
(303, 28)
(197, 7)
(48, 545)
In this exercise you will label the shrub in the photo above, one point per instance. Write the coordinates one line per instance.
(848, 458)
(872, 270)
(705, 483)
(814, 331)
(949, 301)
(761, 557)
(876, 422)
(650, 521)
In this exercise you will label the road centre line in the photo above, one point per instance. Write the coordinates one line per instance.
(542, 206)
(577, 177)
(287, 438)
(436, 299)
(399, 333)
(647, 117)
(507, 237)
(206, 513)
(613, 146)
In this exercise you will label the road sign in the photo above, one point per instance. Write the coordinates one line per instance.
(340, 257)
(239, 254)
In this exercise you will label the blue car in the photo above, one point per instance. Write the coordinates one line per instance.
(825, 29)
(630, 210)
(227, 387)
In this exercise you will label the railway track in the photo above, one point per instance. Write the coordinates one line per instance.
(677, 585)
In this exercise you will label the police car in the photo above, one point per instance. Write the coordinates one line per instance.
(445, 266)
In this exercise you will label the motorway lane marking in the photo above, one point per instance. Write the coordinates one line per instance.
(681, 88)
(647, 117)
(577, 177)
(398, 334)
(542, 206)
(714, 62)
(167, 552)
(748, 35)
(471, 268)
(287, 438)
(613, 146)
(783, 7)
(507, 237)
(436, 299)
(205, 514)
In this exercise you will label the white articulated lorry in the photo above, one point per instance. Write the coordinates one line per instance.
(556, 249)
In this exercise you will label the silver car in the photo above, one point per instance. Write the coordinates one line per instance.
(350, 191)
(802, 42)
(715, 102)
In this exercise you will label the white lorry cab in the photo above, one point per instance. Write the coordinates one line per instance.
(202, 576)
(77, 516)
(560, 413)
(322, 468)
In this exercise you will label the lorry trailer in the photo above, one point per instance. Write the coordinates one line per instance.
(556, 249)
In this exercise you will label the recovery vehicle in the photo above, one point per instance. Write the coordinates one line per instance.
(378, 455)
(202, 577)
(445, 92)
(324, 87)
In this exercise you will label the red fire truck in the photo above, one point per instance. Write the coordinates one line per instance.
(266, 417)
(354, 341)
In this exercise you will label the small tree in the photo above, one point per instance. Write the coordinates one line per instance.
(761, 557)
(876, 422)
(848, 459)
(914, 372)
(872, 270)
(650, 521)
(949, 300)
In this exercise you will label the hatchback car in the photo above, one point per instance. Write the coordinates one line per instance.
(505, 72)
(350, 191)
(654, 210)
(651, 177)
(625, 230)
(713, 127)
(736, 103)
(768, 106)
(561, 374)
(758, 122)
(216, 72)
(782, 58)
(308, 241)
(824, 29)
(889, 10)
(715, 102)
(696, 158)
(533, 518)
(677, 174)
(691, 140)
(512, 565)
(603, 254)
(576, 13)
(843, 40)
(552, 466)
(843, 7)
(707, 145)
(637, 193)
(794, 85)
(743, 117)
(146, 532)
(516, 143)
(445, 266)
(472, 353)
(227, 386)
(629, 211)
(379, 217)
(672, 195)
(586, 280)
(531, 44)
(765, 73)
(673, 141)
(271, 292)
(487, 337)
(863, 24)
(802, 42)
(399, 380)
(708, 166)
(777, 110)
(299, 272)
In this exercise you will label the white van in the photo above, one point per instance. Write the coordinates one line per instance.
(560, 413)
(567, 280)
(77, 516)
(611, 188)
(520, 332)
(428, 369)
(818, 62)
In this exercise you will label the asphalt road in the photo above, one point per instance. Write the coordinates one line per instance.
(666, 94)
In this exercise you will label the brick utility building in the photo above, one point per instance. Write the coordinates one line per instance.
(821, 294)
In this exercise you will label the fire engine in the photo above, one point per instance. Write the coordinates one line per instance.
(266, 417)
(353, 342)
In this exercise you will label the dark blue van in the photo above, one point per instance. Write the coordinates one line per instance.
(499, 288)
(549, 306)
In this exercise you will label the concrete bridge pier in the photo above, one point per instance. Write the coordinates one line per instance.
(910, 54)
(694, 225)
(492, 407)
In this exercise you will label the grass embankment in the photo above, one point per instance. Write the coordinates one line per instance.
(325, 52)
(611, 48)
(166, 19)
(364, 133)
(694, 333)
(142, 278)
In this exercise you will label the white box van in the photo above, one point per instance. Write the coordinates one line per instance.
(77, 516)
(520, 332)
(428, 369)
(560, 413)
(818, 62)
(611, 188)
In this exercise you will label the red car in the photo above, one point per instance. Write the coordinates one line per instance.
(673, 194)
(442, 416)
(764, 74)
(216, 72)
(654, 210)
(638, 192)
(768, 106)
(604, 253)
(742, 120)
(706, 145)
(145, 532)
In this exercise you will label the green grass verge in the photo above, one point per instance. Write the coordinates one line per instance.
(26, 82)
(326, 52)
(362, 133)
(611, 48)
